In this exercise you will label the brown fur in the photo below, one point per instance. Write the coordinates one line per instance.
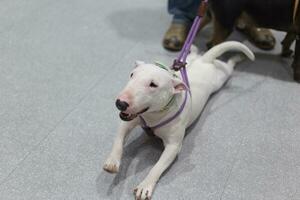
(220, 34)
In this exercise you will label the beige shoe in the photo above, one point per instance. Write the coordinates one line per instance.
(175, 36)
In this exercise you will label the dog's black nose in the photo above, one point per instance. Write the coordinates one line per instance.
(121, 105)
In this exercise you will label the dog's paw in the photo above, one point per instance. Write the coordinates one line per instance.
(111, 165)
(144, 191)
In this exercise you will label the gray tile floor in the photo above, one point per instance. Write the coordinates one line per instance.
(63, 62)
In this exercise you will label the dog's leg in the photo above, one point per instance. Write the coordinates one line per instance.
(219, 35)
(205, 20)
(112, 163)
(224, 70)
(145, 188)
(286, 44)
(296, 63)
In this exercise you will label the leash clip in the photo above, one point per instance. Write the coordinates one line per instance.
(177, 65)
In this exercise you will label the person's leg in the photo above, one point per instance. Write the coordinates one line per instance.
(296, 63)
(183, 11)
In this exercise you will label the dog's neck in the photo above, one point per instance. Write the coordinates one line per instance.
(169, 104)
(154, 118)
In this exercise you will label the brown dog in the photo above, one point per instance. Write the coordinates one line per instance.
(281, 15)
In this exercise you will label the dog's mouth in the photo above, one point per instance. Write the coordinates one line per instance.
(128, 117)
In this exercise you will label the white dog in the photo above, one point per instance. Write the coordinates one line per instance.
(154, 94)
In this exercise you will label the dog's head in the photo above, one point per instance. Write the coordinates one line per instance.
(149, 89)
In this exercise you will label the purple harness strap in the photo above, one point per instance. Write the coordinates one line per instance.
(179, 64)
(144, 124)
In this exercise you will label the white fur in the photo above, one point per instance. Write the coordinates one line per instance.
(206, 75)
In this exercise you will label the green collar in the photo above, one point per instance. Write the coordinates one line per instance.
(171, 101)
(160, 65)
(169, 104)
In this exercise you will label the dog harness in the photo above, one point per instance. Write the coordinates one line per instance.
(180, 65)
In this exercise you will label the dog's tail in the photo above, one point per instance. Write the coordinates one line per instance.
(222, 48)
(235, 59)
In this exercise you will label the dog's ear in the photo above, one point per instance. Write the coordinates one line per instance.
(138, 62)
(179, 85)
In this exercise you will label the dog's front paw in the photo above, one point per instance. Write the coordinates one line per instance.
(111, 165)
(144, 191)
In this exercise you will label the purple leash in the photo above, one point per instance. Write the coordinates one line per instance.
(180, 62)
(180, 65)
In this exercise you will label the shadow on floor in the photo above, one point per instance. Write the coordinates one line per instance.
(269, 65)
(140, 24)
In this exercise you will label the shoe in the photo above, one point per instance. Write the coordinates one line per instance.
(175, 36)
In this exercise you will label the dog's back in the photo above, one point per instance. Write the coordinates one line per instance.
(275, 14)
(207, 74)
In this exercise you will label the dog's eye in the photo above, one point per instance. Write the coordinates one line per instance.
(131, 75)
(153, 85)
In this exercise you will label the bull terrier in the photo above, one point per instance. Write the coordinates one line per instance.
(155, 93)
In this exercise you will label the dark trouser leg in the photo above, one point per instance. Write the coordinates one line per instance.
(296, 63)
(183, 11)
